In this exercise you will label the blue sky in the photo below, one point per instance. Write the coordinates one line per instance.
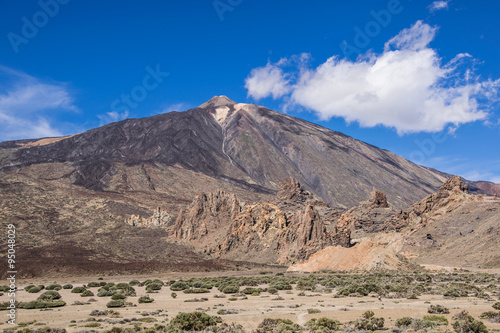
(419, 78)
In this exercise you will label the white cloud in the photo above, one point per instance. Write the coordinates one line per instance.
(266, 81)
(406, 87)
(438, 5)
(26, 105)
(112, 117)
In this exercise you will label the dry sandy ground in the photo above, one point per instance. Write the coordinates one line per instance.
(250, 311)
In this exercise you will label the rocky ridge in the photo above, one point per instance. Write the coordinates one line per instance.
(290, 228)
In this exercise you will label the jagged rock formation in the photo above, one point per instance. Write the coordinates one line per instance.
(368, 217)
(451, 194)
(206, 218)
(288, 229)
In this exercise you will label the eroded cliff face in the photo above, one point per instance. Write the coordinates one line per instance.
(290, 228)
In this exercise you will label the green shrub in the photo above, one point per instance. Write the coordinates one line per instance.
(93, 284)
(174, 295)
(115, 303)
(34, 290)
(54, 286)
(455, 292)
(272, 291)
(194, 321)
(230, 289)
(49, 295)
(153, 286)
(440, 320)
(490, 315)
(122, 285)
(78, 290)
(28, 287)
(323, 325)
(179, 286)
(68, 286)
(278, 325)
(465, 323)
(133, 283)
(41, 304)
(371, 324)
(105, 293)
(281, 286)
(496, 306)
(438, 309)
(368, 314)
(196, 291)
(87, 293)
(146, 299)
(251, 291)
(312, 311)
(118, 296)
(404, 322)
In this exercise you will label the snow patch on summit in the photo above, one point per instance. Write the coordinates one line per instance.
(221, 114)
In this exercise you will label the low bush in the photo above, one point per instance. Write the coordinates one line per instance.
(323, 325)
(439, 320)
(416, 324)
(179, 286)
(465, 323)
(193, 321)
(196, 291)
(40, 304)
(34, 289)
(105, 293)
(496, 306)
(78, 290)
(439, 309)
(115, 303)
(312, 311)
(146, 299)
(133, 283)
(87, 293)
(118, 296)
(371, 324)
(49, 295)
(93, 284)
(230, 289)
(251, 291)
(278, 325)
(68, 286)
(490, 315)
(54, 286)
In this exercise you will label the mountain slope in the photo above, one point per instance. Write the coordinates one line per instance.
(245, 145)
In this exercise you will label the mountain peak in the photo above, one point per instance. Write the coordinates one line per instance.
(217, 101)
